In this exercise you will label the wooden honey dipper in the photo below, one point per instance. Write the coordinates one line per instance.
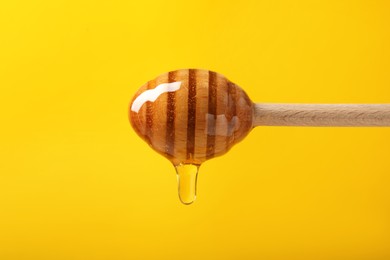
(192, 115)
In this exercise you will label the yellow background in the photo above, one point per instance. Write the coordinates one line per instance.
(77, 183)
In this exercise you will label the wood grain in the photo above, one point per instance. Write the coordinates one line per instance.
(363, 115)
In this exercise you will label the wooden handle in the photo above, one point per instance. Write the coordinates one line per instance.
(321, 115)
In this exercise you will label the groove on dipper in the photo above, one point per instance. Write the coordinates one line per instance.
(212, 112)
(149, 113)
(191, 113)
(171, 115)
(233, 110)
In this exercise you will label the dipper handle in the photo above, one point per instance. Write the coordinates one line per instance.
(363, 115)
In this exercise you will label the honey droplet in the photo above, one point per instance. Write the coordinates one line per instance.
(191, 116)
(187, 175)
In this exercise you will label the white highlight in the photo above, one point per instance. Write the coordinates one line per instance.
(152, 94)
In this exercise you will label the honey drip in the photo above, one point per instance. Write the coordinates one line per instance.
(187, 175)
(191, 116)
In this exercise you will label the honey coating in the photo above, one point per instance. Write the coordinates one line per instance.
(191, 115)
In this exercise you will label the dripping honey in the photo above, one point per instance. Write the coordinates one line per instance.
(190, 116)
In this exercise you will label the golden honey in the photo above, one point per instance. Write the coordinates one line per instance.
(190, 116)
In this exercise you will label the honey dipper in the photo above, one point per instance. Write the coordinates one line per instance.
(192, 115)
